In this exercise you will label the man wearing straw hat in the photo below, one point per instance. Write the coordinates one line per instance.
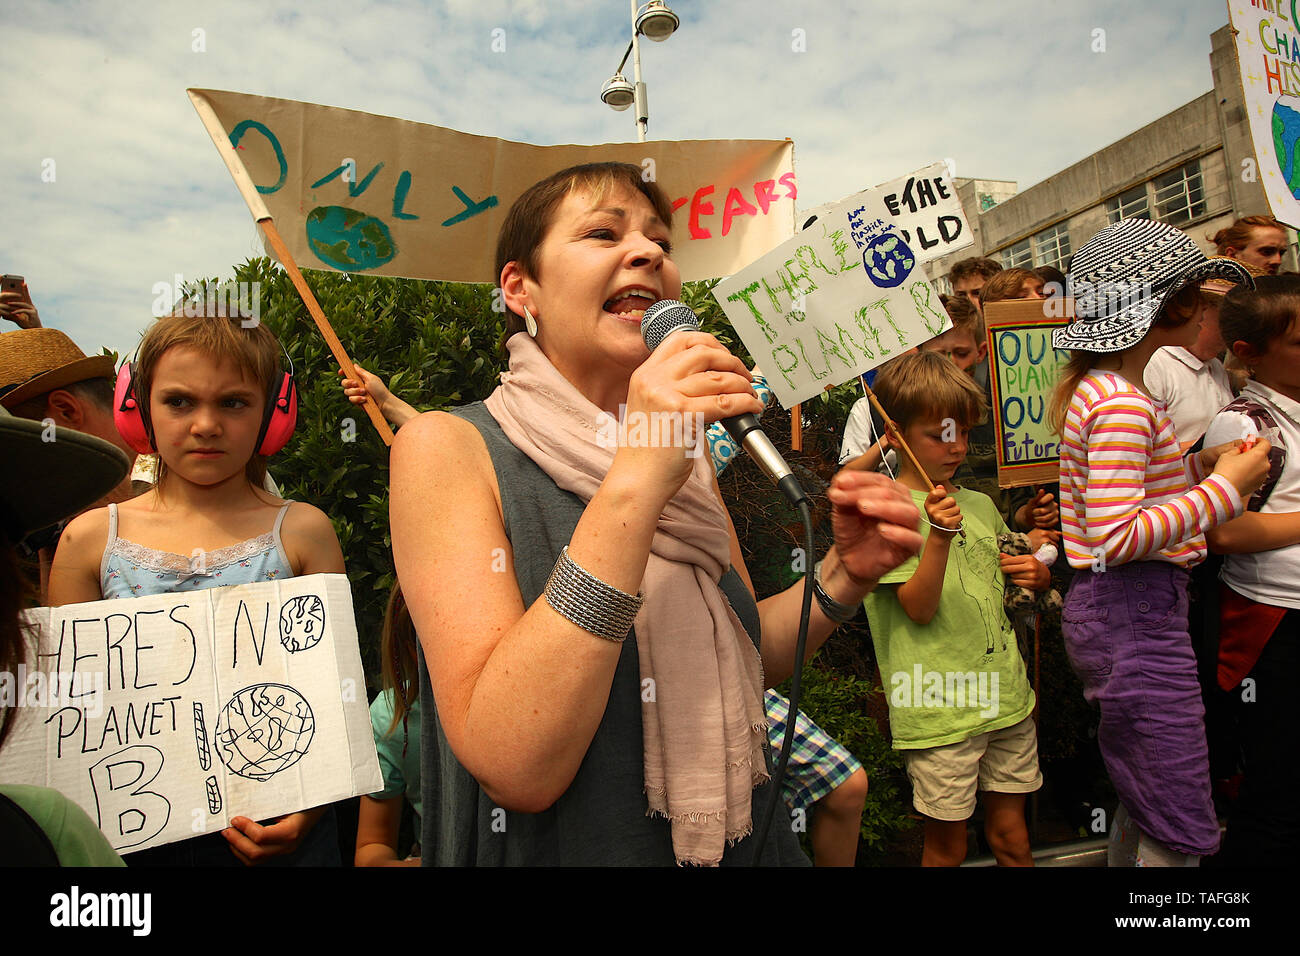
(45, 377)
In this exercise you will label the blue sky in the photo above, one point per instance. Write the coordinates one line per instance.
(1009, 89)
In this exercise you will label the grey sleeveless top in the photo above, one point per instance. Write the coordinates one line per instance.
(601, 819)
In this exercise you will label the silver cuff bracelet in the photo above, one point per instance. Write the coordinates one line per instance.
(833, 609)
(589, 602)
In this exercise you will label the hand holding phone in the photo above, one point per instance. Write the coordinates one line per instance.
(16, 303)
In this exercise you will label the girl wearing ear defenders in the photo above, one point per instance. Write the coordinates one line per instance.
(209, 397)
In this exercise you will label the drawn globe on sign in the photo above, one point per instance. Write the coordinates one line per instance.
(888, 260)
(302, 619)
(1286, 141)
(348, 239)
(264, 729)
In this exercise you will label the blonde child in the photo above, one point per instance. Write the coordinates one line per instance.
(960, 705)
(1134, 516)
(212, 402)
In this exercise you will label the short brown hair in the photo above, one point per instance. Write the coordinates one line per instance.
(927, 385)
(1052, 278)
(977, 266)
(1007, 284)
(966, 317)
(528, 220)
(1237, 236)
(1260, 317)
(254, 351)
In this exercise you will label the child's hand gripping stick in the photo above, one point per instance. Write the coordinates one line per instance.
(896, 439)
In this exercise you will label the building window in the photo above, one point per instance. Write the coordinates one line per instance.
(1052, 246)
(1129, 205)
(1019, 256)
(1180, 195)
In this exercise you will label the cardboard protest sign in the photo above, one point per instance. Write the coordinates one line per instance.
(839, 299)
(1268, 60)
(357, 192)
(1023, 371)
(163, 717)
(924, 208)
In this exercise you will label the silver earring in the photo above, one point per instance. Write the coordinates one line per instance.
(530, 323)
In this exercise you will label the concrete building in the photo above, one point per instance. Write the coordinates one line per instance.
(1193, 168)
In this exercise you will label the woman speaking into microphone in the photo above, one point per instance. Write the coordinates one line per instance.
(527, 545)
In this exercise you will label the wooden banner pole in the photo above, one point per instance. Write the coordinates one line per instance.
(796, 429)
(896, 437)
(322, 323)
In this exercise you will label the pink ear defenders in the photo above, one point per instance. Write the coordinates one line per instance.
(278, 420)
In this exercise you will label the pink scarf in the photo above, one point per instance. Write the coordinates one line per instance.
(704, 727)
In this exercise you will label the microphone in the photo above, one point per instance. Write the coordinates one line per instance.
(668, 316)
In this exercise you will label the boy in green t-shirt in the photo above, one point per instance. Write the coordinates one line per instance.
(960, 704)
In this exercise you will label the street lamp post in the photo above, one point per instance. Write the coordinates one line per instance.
(653, 20)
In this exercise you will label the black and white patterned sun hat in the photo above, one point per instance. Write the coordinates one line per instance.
(1122, 277)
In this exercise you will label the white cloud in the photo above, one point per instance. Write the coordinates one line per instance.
(1011, 90)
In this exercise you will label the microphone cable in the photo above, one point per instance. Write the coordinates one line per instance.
(800, 651)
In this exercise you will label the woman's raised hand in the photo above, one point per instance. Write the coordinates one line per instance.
(875, 525)
(687, 383)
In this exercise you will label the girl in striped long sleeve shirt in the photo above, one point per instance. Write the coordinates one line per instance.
(1134, 514)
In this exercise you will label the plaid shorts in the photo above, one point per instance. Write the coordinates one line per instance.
(817, 764)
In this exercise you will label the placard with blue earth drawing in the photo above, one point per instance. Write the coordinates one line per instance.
(1268, 58)
(841, 298)
(163, 717)
(924, 207)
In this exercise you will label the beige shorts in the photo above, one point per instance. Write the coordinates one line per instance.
(944, 778)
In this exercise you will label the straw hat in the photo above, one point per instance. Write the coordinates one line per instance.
(1221, 286)
(51, 473)
(35, 361)
(1123, 276)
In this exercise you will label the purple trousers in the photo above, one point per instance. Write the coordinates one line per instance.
(1126, 635)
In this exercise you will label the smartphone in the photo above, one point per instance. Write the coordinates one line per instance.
(10, 283)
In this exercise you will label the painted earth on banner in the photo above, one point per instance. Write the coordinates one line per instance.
(1268, 56)
(356, 192)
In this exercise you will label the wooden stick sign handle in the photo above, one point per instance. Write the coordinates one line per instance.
(322, 323)
(896, 437)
